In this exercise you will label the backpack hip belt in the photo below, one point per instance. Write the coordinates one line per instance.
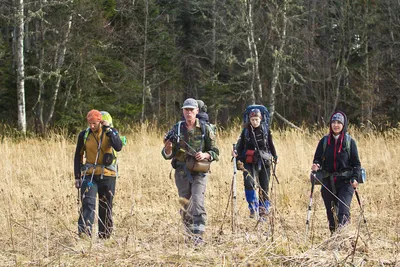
(324, 174)
(111, 167)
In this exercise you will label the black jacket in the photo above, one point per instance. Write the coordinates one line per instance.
(246, 141)
(336, 158)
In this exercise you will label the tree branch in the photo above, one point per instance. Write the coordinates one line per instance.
(286, 121)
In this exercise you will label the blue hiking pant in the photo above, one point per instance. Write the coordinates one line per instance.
(105, 188)
(250, 185)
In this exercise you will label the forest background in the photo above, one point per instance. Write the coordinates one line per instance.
(140, 59)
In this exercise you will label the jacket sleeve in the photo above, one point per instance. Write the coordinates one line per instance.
(240, 147)
(115, 139)
(78, 159)
(319, 152)
(355, 160)
(271, 145)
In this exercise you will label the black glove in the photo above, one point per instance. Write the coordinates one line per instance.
(78, 183)
(240, 165)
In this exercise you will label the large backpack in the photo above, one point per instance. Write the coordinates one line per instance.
(264, 119)
(212, 126)
(264, 114)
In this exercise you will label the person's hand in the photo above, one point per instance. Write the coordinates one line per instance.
(315, 167)
(354, 183)
(234, 153)
(276, 160)
(202, 156)
(78, 183)
(105, 124)
(240, 165)
(168, 147)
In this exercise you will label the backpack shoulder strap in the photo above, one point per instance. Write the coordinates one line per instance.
(348, 144)
(265, 129)
(179, 131)
(85, 136)
(325, 143)
(265, 134)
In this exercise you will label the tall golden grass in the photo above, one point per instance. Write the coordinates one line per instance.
(39, 209)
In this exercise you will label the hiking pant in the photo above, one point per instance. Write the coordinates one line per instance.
(344, 191)
(106, 189)
(250, 185)
(194, 213)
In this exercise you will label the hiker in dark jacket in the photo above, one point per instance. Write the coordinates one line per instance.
(339, 170)
(256, 168)
(97, 174)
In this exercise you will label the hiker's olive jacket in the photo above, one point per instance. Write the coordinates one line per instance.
(194, 142)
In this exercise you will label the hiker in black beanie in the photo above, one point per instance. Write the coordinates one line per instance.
(337, 164)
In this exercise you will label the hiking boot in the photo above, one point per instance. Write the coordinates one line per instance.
(104, 235)
(84, 236)
(252, 214)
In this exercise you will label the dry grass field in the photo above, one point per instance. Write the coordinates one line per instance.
(39, 210)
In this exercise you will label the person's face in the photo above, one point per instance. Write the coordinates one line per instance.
(255, 121)
(94, 125)
(337, 127)
(190, 113)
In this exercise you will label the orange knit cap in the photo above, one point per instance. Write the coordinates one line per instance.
(93, 115)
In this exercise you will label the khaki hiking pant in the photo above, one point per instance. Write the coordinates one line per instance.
(194, 213)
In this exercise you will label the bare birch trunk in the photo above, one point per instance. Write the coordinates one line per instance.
(59, 63)
(249, 45)
(144, 63)
(252, 94)
(256, 81)
(276, 69)
(39, 103)
(21, 68)
(214, 53)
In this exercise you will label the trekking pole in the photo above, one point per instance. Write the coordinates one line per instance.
(78, 197)
(234, 192)
(273, 171)
(359, 203)
(362, 211)
(310, 204)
